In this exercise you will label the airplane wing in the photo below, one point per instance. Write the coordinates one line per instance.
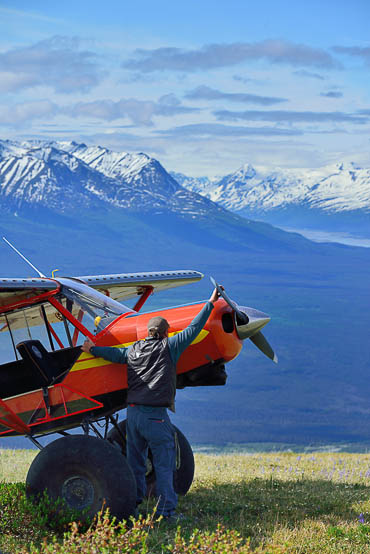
(14, 293)
(128, 285)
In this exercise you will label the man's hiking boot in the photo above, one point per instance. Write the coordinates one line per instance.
(175, 518)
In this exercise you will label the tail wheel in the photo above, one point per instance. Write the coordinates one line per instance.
(184, 474)
(87, 473)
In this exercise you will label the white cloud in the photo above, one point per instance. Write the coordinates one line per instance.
(310, 74)
(57, 62)
(21, 113)
(11, 82)
(140, 112)
(212, 56)
(219, 130)
(332, 94)
(27, 15)
(287, 116)
(207, 93)
(355, 51)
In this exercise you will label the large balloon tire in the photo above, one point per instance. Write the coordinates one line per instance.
(184, 473)
(87, 474)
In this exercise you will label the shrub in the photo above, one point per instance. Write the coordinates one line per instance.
(106, 536)
(103, 536)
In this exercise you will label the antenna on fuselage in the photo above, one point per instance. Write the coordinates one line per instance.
(24, 257)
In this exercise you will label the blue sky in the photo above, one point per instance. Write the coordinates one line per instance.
(204, 87)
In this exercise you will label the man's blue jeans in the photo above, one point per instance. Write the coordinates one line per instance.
(150, 427)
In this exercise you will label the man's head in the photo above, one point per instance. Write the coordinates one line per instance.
(158, 327)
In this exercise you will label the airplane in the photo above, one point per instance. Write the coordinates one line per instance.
(50, 386)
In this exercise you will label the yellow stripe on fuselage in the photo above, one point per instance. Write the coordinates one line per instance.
(87, 361)
(202, 335)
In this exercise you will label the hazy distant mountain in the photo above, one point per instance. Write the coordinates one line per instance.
(334, 196)
(198, 184)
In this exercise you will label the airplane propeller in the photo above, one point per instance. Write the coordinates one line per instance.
(249, 323)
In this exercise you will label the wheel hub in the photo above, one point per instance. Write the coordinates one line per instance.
(78, 492)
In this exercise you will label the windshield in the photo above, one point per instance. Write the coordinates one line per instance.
(96, 309)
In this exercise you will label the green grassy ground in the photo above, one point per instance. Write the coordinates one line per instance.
(277, 502)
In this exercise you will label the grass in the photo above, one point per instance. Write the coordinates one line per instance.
(14, 464)
(266, 503)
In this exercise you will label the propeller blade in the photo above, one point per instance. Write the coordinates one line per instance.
(248, 321)
(259, 340)
(242, 317)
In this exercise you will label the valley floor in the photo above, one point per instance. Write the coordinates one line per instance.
(327, 236)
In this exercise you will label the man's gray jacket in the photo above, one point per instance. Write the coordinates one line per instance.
(151, 373)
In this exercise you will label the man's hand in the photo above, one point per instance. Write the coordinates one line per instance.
(215, 294)
(87, 345)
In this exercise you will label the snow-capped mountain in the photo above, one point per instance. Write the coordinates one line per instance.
(197, 184)
(332, 198)
(43, 177)
(332, 189)
(65, 175)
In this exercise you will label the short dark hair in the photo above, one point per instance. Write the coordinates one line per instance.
(157, 327)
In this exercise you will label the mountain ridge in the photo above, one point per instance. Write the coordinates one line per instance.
(336, 197)
(92, 175)
(67, 179)
(330, 188)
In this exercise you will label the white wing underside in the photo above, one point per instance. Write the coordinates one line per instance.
(120, 287)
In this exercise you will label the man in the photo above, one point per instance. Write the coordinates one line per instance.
(151, 374)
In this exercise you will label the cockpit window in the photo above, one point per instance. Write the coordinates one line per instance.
(45, 322)
(92, 308)
(38, 322)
